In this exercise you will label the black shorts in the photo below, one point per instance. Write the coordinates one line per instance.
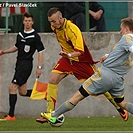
(22, 71)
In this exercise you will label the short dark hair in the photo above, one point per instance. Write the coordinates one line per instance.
(52, 11)
(27, 15)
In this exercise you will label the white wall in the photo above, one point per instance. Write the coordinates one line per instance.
(98, 43)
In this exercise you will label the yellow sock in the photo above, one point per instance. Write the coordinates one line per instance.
(51, 97)
(111, 99)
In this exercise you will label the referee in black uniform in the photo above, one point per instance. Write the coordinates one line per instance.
(28, 41)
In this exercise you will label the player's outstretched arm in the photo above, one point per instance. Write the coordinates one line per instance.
(1, 52)
(10, 50)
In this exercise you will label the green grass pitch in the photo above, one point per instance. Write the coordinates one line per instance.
(70, 124)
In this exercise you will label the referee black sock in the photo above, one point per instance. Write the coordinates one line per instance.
(121, 110)
(12, 103)
(28, 93)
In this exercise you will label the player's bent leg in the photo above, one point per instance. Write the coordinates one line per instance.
(51, 96)
(76, 97)
(111, 99)
(119, 101)
(13, 88)
(51, 101)
(23, 91)
(127, 106)
(66, 106)
(55, 78)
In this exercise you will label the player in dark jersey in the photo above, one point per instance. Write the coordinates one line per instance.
(27, 42)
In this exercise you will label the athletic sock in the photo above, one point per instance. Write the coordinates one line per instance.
(12, 103)
(129, 107)
(51, 97)
(111, 99)
(121, 110)
(28, 93)
(66, 106)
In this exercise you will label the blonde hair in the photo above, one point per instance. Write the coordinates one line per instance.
(128, 22)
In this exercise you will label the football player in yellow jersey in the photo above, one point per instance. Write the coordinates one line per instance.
(75, 58)
(109, 77)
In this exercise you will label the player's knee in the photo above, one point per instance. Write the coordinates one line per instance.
(53, 80)
(13, 88)
(118, 100)
(83, 92)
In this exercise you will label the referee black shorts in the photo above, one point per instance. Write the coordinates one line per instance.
(22, 71)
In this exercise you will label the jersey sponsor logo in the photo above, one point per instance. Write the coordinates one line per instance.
(27, 48)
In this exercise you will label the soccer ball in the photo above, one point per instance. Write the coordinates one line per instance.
(59, 122)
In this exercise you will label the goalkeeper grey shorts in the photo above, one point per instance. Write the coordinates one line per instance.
(104, 80)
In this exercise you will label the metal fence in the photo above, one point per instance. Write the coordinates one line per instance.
(114, 12)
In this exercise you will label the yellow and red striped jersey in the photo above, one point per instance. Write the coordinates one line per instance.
(70, 39)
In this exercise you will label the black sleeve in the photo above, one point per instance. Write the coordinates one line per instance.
(18, 39)
(72, 8)
(39, 44)
(95, 6)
